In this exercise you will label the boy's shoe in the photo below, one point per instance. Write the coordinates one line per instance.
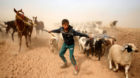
(64, 65)
(76, 70)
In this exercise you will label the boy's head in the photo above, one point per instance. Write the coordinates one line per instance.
(65, 23)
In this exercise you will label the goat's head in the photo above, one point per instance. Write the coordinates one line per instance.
(34, 18)
(110, 41)
(130, 48)
(19, 11)
(89, 42)
(5, 23)
(99, 41)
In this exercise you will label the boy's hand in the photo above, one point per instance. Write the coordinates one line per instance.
(49, 31)
(90, 38)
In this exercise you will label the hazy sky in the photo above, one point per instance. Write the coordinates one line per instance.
(127, 12)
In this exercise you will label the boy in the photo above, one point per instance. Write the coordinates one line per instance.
(68, 33)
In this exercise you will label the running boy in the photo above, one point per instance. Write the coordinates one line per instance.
(68, 33)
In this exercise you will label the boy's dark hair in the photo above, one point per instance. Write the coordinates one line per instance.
(65, 21)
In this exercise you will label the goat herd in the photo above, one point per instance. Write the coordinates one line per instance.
(101, 44)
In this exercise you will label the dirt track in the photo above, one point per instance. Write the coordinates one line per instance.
(39, 62)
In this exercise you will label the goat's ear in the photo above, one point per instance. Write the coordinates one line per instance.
(125, 47)
(15, 10)
(22, 11)
(5, 22)
(114, 39)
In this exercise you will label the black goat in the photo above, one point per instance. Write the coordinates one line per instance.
(11, 25)
(98, 48)
(90, 43)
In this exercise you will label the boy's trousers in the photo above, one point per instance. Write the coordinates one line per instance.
(71, 50)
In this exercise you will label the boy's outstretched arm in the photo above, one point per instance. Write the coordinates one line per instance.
(80, 34)
(55, 31)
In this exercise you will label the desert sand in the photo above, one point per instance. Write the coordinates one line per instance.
(38, 62)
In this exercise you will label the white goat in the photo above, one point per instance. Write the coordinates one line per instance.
(82, 44)
(53, 43)
(121, 55)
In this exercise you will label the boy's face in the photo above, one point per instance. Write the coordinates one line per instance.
(65, 26)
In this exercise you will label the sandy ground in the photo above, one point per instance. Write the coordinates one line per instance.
(38, 62)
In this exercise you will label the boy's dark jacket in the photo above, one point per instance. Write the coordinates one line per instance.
(68, 36)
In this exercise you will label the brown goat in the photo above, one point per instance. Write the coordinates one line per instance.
(24, 27)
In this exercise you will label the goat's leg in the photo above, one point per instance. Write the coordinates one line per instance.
(56, 46)
(103, 49)
(80, 47)
(99, 58)
(52, 48)
(84, 51)
(26, 38)
(126, 71)
(29, 38)
(13, 35)
(107, 50)
(20, 42)
(7, 29)
(0, 30)
(87, 52)
(110, 64)
(116, 66)
(92, 51)
(96, 52)
(51, 45)
(30, 34)
(99, 55)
